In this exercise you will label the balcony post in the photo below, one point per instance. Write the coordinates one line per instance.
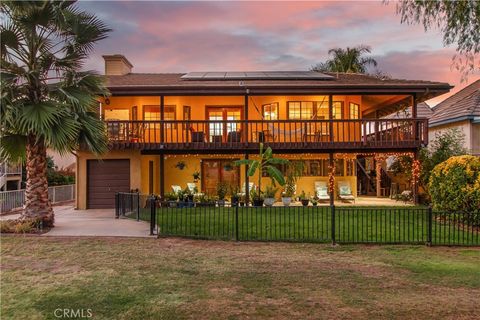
(330, 117)
(415, 180)
(162, 118)
(414, 116)
(245, 116)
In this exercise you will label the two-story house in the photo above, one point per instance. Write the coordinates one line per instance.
(165, 127)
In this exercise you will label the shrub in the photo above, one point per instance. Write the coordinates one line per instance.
(7, 226)
(454, 184)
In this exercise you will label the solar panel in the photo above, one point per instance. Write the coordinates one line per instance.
(257, 75)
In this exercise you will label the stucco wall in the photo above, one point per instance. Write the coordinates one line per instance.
(463, 126)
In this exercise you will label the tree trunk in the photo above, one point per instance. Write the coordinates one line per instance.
(37, 204)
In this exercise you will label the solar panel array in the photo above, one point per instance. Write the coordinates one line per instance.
(257, 75)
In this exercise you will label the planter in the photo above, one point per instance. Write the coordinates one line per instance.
(221, 203)
(314, 204)
(286, 201)
(172, 204)
(305, 202)
(235, 201)
(269, 202)
(242, 203)
(258, 202)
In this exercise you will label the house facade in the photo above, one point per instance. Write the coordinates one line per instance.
(164, 129)
(462, 112)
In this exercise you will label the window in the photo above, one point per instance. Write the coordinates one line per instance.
(270, 111)
(311, 168)
(337, 110)
(339, 168)
(151, 113)
(300, 110)
(350, 167)
(354, 110)
(187, 114)
(306, 110)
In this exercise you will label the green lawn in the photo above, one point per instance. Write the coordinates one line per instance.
(311, 224)
(193, 279)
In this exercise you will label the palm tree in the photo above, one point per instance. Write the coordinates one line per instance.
(349, 60)
(46, 100)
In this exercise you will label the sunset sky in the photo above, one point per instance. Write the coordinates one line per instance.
(231, 36)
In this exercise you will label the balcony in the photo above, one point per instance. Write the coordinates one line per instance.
(281, 135)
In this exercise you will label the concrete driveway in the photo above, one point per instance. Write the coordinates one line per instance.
(99, 223)
(95, 222)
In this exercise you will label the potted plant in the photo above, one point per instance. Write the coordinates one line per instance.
(266, 162)
(269, 194)
(303, 199)
(257, 198)
(294, 171)
(242, 201)
(196, 176)
(234, 197)
(171, 198)
(181, 165)
(314, 201)
(188, 197)
(222, 189)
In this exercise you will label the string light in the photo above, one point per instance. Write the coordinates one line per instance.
(416, 167)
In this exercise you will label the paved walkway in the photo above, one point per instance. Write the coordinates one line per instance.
(95, 222)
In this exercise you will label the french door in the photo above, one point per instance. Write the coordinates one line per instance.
(219, 170)
(219, 131)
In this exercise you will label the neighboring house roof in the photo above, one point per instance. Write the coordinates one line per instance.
(423, 111)
(171, 83)
(464, 105)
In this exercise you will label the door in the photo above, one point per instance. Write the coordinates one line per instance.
(219, 131)
(216, 171)
(104, 179)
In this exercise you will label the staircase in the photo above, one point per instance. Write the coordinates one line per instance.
(9, 172)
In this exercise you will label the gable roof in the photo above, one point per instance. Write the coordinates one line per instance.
(423, 111)
(172, 83)
(464, 105)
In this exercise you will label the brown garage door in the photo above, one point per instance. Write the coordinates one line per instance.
(104, 179)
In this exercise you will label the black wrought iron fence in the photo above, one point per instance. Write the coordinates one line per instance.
(336, 224)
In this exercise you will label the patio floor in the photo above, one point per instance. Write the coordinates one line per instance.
(360, 201)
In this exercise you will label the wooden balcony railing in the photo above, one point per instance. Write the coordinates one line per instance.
(279, 134)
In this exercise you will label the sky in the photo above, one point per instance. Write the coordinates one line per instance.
(187, 36)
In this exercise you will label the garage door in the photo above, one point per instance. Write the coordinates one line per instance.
(104, 179)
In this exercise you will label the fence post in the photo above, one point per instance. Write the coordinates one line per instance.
(332, 209)
(236, 222)
(117, 205)
(430, 218)
(151, 200)
(138, 206)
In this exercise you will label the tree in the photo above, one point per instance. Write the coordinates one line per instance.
(349, 60)
(266, 161)
(459, 21)
(46, 100)
(446, 144)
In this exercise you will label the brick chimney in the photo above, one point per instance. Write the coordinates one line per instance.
(117, 65)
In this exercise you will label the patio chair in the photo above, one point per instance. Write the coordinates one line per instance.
(176, 188)
(251, 186)
(192, 186)
(234, 136)
(345, 191)
(321, 190)
(198, 136)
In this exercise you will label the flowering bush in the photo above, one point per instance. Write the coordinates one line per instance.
(454, 184)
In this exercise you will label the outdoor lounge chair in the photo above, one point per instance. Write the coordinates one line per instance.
(176, 189)
(198, 136)
(321, 190)
(192, 186)
(345, 191)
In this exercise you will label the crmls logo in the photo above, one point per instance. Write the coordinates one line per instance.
(73, 313)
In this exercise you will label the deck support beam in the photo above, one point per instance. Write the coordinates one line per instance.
(162, 117)
(331, 175)
(245, 117)
(378, 176)
(247, 181)
(415, 180)
(162, 176)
